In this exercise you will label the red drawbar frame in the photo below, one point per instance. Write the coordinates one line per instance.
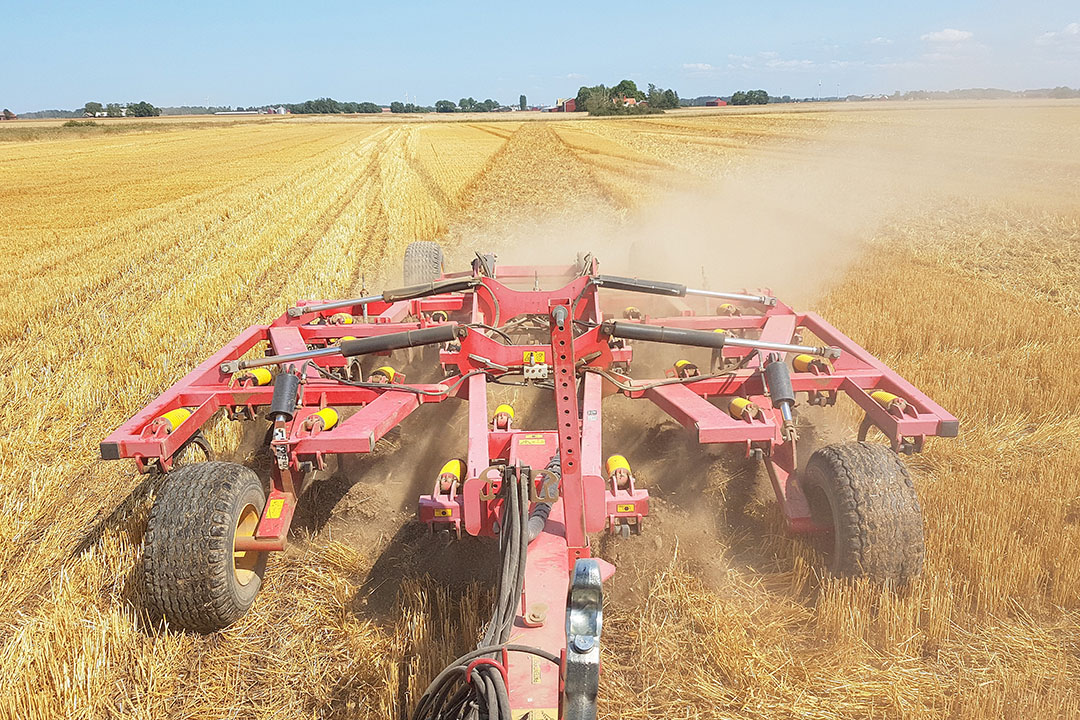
(574, 359)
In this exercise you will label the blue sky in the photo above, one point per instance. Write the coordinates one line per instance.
(62, 54)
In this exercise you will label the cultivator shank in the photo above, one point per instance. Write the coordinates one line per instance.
(328, 377)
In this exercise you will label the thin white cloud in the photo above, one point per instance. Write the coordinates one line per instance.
(699, 67)
(948, 35)
(881, 41)
(575, 76)
(1071, 33)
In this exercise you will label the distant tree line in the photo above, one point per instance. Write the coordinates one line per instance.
(467, 105)
(329, 106)
(624, 98)
(750, 97)
(139, 109)
(400, 107)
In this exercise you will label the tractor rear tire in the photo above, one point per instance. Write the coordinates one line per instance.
(864, 494)
(423, 262)
(193, 577)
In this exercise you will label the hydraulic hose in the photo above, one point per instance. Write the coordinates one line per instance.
(539, 514)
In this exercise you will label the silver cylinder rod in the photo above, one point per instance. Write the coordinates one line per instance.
(762, 299)
(235, 366)
(297, 311)
(821, 351)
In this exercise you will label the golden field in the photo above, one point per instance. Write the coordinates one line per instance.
(944, 238)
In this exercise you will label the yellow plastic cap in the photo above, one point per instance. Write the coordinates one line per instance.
(261, 375)
(738, 407)
(386, 370)
(505, 409)
(453, 467)
(720, 330)
(175, 417)
(617, 462)
(802, 362)
(682, 363)
(328, 416)
(883, 398)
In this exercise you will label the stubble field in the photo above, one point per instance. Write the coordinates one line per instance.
(944, 238)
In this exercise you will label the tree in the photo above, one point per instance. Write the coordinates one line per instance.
(143, 109)
(113, 110)
(596, 95)
(445, 106)
(92, 108)
(397, 107)
(627, 89)
(522, 103)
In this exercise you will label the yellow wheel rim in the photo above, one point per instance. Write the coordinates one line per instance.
(244, 563)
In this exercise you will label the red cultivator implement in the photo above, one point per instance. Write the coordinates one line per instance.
(315, 375)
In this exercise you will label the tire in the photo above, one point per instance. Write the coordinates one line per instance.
(863, 493)
(423, 262)
(193, 579)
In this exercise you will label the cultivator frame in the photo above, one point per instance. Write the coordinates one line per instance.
(323, 351)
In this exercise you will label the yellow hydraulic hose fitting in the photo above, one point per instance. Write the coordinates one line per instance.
(505, 409)
(742, 409)
(173, 418)
(343, 338)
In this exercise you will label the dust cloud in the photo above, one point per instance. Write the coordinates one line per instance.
(794, 213)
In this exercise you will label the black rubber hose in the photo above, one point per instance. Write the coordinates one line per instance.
(539, 515)
(537, 519)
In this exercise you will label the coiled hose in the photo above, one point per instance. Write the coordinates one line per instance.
(459, 693)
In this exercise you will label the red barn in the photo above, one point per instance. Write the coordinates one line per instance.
(570, 105)
(716, 103)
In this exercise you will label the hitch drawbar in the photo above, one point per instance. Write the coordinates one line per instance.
(361, 346)
(703, 338)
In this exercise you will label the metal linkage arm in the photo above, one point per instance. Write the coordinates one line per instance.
(703, 338)
(411, 292)
(362, 346)
(654, 287)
